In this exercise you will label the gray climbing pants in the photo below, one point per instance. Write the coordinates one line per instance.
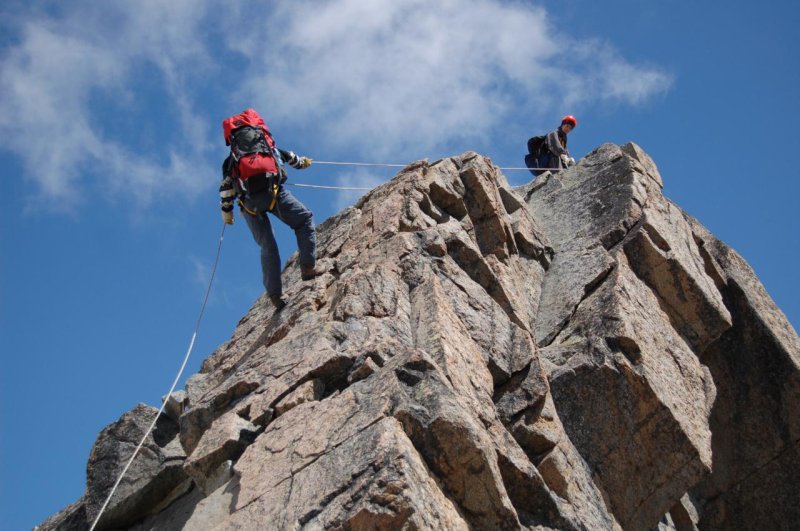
(294, 214)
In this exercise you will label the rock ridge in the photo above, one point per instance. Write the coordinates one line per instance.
(576, 353)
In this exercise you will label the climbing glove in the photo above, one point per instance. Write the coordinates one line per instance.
(227, 217)
(305, 162)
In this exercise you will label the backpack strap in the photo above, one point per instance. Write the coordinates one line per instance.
(276, 154)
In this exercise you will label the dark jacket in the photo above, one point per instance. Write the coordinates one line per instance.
(556, 144)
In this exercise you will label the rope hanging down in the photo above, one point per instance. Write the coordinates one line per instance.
(171, 389)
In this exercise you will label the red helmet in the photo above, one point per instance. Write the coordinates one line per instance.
(569, 119)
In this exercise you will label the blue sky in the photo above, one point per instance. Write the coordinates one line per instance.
(110, 119)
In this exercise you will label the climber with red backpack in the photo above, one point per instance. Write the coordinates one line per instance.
(254, 174)
(549, 152)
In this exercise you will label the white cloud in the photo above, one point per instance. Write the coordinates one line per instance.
(43, 115)
(408, 77)
(383, 79)
(66, 87)
(403, 76)
(599, 73)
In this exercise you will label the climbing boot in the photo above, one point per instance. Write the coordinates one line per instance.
(307, 272)
(278, 302)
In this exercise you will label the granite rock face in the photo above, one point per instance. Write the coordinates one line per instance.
(577, 353)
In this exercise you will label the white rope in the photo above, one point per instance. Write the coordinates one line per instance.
(327, 187)
(171, 389)
(404, 165)
(360, 164)
(523, 168)
(379, 164)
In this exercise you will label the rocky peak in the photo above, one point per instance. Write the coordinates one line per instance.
(577, 353)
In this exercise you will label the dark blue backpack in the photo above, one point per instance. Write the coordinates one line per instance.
(535, 145)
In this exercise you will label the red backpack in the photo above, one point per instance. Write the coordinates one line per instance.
(252, 147)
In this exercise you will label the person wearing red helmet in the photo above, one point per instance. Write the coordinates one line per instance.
(554, 154)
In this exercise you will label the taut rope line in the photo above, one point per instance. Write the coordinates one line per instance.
(384, 165)
(326, 187)
(381, 164)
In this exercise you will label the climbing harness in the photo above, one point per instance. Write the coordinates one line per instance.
(171, 389)
(275, 190)
(251, 212)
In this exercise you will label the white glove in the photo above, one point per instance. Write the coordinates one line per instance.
(564, 160)
(571, 162)
(227, 217)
